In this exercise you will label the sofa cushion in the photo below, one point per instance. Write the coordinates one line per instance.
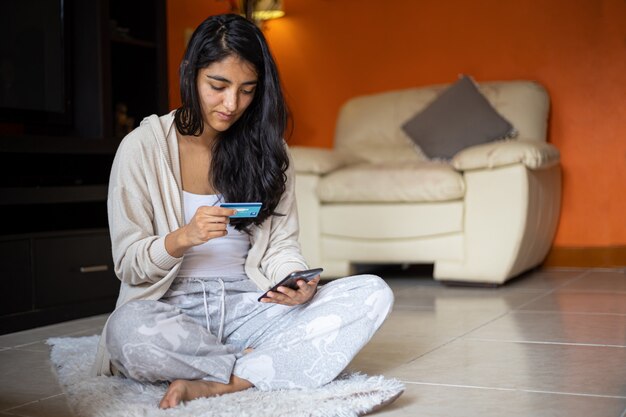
(389, 153)
(532, 153)
(319, 160)
(424, 181)
(354, 220)
(458, 118)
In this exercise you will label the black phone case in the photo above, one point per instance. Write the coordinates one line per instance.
(292, 279)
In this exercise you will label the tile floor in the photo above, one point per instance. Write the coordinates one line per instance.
(550, 343)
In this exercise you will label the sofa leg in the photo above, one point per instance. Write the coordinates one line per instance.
(470, 284)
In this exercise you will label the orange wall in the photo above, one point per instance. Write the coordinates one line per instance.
(331, 50)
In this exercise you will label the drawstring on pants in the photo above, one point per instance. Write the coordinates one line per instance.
(220, 332)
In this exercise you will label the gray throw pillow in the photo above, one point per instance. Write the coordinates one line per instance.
(458, 118)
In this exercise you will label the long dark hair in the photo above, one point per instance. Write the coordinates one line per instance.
(249, 160)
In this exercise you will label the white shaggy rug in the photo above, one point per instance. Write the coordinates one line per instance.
(349, 395)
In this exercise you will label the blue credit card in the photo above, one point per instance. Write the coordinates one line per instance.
(244, 209)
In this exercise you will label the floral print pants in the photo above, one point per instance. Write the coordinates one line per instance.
(201, 327)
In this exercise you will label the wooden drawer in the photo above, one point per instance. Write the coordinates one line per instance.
(16, 277)
(73, 269)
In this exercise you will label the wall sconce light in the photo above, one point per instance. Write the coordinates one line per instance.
(260, 11)
(267, 9)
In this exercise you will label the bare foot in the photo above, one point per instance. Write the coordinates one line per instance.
(184, 390)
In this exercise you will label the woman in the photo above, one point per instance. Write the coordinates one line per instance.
(187, 312)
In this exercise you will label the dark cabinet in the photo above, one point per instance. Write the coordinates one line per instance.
(54, 242)
(16, 278)
(73, 268)
(120, 65)
(137, 61)
(55, 276)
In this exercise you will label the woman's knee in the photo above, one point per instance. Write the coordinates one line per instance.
(130, 339)
(373, 284)
(380, 296)
(125, 317)
(124, 324)
(370, 290)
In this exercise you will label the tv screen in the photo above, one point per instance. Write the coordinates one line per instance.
(33, 62)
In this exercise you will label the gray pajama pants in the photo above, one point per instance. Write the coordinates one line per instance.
(201, 326)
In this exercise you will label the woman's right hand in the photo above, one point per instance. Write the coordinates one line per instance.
(209, 222)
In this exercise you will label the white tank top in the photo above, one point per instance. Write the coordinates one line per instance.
(224, 256)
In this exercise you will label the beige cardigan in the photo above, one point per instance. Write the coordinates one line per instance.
(145, 204)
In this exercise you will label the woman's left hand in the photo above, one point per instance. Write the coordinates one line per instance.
(290, 297)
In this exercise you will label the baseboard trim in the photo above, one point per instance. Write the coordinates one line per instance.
(605, 256)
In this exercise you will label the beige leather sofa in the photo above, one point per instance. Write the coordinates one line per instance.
(487, 215)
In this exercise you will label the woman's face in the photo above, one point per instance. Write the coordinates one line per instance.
(226, 89)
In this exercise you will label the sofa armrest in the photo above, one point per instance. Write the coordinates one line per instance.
(318, 160)
(533, 154)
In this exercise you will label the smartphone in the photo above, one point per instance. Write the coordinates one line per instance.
(243, 209)
(292, 279)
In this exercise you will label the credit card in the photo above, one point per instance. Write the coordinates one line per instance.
(243, 209)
